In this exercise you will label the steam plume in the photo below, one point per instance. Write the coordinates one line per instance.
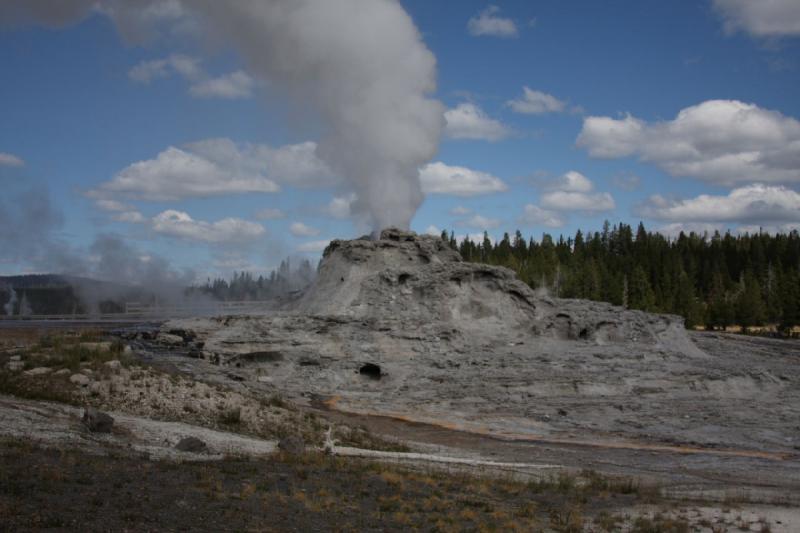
(360, 65)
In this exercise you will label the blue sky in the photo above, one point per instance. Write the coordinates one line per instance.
(558, 115)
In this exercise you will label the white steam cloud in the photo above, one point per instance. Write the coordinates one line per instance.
(360, 65)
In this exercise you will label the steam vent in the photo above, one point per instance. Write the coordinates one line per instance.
(401, 326)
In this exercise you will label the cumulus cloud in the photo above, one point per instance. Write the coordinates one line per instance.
(341, 206)
(720, 141)
(439, 178)
(468, 121)
(180, 225)
(536, 103)
(217, 167)
(313, 246)
(230, 86)
(111, 205)
(533, 215)
(489, 23)
(460, 211)
(147, 71)
(571, 181)
(270, 213)
(757, 204)
(578, 201)
(10, 160)
(298, 229)
(479, 222)
(131, 217)
(763, 18)
(573, 191)
(433, 230)
(570, 192)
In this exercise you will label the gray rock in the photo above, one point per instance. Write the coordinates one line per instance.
(96, 346)
(292, 445)
(40, 371)
(79, 380)
(114, 365)
(191, 445)
(97, 421)
(15, 366)
(170, 339)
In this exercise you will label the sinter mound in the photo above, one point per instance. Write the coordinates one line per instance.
(411, 279)
(400, 326)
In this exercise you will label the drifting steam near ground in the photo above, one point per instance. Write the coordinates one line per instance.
(360, 65)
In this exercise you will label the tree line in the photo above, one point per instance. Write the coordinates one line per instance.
(244, 286)
(711, 280)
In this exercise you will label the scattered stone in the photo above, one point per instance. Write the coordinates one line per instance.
(293, 445)
(170, 339)
(96, 346)
(114, 365)
(191, 445)
(40, 371)
(15, 366)
(97, 421)
(15, 358)
(62, 372)
(79, 380)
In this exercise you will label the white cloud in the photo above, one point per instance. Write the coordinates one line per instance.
(147, 71)
(217, 167)
(460, 211)
(533, 215)
(578, 201)
(479, 222)
(226, 231)
(298, 229)
(536, 103)
(111, 205)
(433, 230)
(341, 206)
(758, 204)
(488, 23)
(570, 192)
(439, 178)
(720, 141)
(131, 217)
(761, 18)
(468, 121)
(231, 86)
(10, 160)
(313, 246)
(270, 213)
(176, 174)
(571, 181)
